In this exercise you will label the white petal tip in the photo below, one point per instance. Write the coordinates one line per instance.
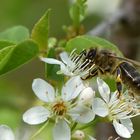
(121, 130)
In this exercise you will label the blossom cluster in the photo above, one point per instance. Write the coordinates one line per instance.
(118, 109)
(77, 103)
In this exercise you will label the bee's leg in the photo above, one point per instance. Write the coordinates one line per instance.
(119, 82)
(91, 74)
(94, 72)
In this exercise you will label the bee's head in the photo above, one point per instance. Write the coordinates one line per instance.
(91, 53)
(106, 53)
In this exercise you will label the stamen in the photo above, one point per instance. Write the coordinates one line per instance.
(59, 108)
(81, 65)
(80, 56)
(87, 71)
(73, 57)
(72, 53)
(85, 64)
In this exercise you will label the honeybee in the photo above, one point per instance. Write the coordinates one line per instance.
(107, 62)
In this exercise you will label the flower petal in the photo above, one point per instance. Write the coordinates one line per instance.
(43, 90)
(6, 133)
(72, 88)
(113, 98)
(128, 124)
(87, 96)
(65, 58)
(63, 68)
(51, 61)
(121, 130)
(104, 89)
(61, 131)
(36, 115)
(82, 114)
(100, 107)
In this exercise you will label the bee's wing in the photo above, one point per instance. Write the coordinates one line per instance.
(135, 63)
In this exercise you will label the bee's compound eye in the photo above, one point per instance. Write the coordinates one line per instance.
(91, 54)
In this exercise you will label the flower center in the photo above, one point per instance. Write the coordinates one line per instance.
(59, 108)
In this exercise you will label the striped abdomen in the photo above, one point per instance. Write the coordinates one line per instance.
(130, 77)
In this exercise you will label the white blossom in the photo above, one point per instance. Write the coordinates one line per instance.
(71, 65)
(78, 135)
(6, 133)
(60, 108)
(81, 135)
(87, 96)
(119, 110)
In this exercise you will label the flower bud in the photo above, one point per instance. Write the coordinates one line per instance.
(79, 135)
(87, 95)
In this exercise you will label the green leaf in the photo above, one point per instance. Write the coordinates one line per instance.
(77, 12)
(85, 42)
(15, 34)
(40, 31)
(14, 56)
(51, 70)
(4, 44)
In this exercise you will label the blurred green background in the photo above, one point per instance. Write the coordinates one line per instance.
(16, 94)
